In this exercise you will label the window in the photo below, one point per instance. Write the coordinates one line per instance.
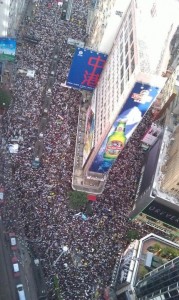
(122, 72)
(132, 66)
(122, 86)
(121, 59)
(127, 62)
(132, 51)
(131, 37)
(121, 47)
(126, 48)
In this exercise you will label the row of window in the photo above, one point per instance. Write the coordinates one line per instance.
(119, 67)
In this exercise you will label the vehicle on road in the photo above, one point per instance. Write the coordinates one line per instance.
(13, 241)
(15, 265)
(36, 163)
(20, 290)
(1, 195)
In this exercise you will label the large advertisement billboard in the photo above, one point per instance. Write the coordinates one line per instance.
(89, 134)
(7, 49)
(86, 68)
(162, 213)
(139, 100)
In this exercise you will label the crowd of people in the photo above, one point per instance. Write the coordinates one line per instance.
(37, 208)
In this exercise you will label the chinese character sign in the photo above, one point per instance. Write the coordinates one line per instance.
(7, 49)
(136, 105)
(86, 68)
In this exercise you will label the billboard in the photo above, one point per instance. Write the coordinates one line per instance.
(163, 213)
(7, 49)
(152, 134)
(89, 134)
(139, 100)
(86, 68)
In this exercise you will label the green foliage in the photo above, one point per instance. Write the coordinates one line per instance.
(89, 210)
(156, 247)
(57, 288)
(132, 234)
(77, 199)
(5, 99)
(169, 252)
(143, 272)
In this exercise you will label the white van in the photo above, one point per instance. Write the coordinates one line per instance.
(20, 290)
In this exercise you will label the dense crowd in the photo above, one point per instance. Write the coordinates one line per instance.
(37, 207)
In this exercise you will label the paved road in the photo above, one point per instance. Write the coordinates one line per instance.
(7, 281)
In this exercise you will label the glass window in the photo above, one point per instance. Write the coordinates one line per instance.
(122, 86)
(126, 48)
(121, 59)
(121, 47)
(132, 51)
(132, 65)
(126, 35)
(131, 37)
(122, 72)
(127, 61)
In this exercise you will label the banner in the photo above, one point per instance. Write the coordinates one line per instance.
(139, 100)
(86, 68)
(163, 213)
(7, 49)
(89, 134)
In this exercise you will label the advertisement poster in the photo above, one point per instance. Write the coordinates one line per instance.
(7, 49)
(136, 105)
(89, 134)
(86, 68)
(152, 134)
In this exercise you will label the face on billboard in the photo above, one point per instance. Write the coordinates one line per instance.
(86, 68)
(136, 105)
(89, 134)
(7, 49)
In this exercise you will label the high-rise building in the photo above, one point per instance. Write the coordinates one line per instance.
(162, 283)
(157, 202)
(130, 82)
(147, 269)
(16, 11)
(104, 19)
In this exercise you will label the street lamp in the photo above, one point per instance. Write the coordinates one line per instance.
(64, 250)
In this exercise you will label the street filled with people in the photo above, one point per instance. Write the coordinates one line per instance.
(81, 253)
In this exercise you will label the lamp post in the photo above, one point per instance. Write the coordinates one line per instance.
(64, 250)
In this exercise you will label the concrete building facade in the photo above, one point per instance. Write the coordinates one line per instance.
(133, 58)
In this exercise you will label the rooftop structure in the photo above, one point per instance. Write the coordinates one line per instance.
(142, 259)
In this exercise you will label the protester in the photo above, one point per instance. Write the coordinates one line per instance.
(37, 207)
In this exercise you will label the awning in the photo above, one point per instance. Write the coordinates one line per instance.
(91, 197)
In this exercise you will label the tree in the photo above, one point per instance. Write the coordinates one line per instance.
(77, 199)
(57, 288)
(5, 99)
(142, 272)
(132, 234)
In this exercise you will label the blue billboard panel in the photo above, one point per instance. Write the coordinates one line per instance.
(7, 49)
(136, 105)
(85, 69)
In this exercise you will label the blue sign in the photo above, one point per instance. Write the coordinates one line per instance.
(138, 102)
(86, 68)
(7, 49)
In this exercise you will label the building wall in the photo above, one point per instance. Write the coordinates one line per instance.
(170, 182)
(16, 10)
(4, 15)
(104, 23)
(129, 56)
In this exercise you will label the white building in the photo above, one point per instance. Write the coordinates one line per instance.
(140, 54)
(105, 19)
